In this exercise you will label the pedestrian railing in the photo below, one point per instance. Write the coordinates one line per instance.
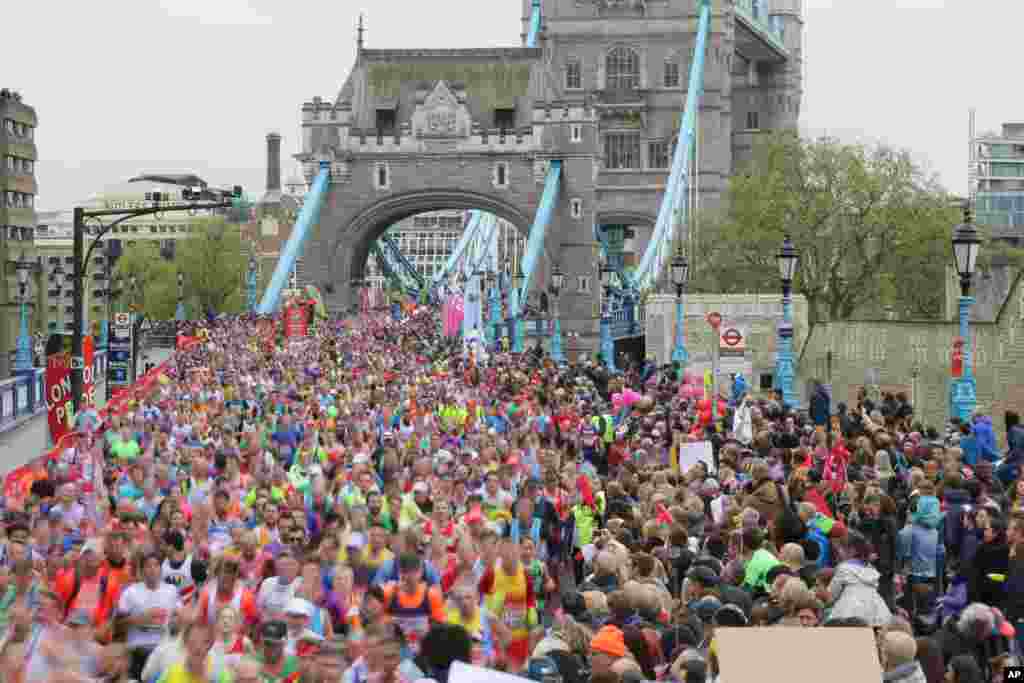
(24, 396)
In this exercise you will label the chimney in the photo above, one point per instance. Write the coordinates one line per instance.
(273, 162)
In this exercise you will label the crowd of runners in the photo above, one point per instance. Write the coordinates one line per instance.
(372, 503)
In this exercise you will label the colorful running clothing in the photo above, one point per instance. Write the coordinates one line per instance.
(414, 612)
(478, 629)
(510, 598)
(177, 673)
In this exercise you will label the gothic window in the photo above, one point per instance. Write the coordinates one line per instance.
(671, 74)
(573, 75)
(385, 121)
(381, 177)
(622, 150)
(622, 69)
(505, 120)
(501, 174)
(752, 121)
(657, 154)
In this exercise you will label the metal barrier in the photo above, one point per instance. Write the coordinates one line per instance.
(24, 396)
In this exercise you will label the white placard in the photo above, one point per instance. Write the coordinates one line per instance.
(692, 453)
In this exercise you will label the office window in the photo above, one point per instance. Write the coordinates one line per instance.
(671, 74)
(752, 121)
(573, 75)
(622, 69)
(622, 150)
(657, 154)
(583, 283)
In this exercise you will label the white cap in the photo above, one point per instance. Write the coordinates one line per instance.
(300, 607)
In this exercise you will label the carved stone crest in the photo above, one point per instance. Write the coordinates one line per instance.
(441, 115)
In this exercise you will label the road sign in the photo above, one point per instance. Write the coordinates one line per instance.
(714, 319)
(122, 319)
(732, 337)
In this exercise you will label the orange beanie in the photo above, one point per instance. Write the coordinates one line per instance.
(610, 641)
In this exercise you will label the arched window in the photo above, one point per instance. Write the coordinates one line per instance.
(622, 69)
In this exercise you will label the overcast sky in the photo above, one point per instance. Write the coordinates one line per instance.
(174, 85)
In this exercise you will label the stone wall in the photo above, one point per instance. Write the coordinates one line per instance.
(915, 356)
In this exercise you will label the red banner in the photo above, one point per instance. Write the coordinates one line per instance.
(88, 373)
(60, 413)
(958, 358)
(59, 404)
(296, 321)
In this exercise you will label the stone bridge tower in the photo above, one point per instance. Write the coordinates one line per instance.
(418, 130)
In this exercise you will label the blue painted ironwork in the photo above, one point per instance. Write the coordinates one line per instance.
(675, 190)
(784, 373)
(679, 354)
(534, 32)
(309, 215)
(607, 343)
(465, 239)
(494, 328)
(250, 282)
(408, 271)
(963, 390)
(23, 354)
(535, 242)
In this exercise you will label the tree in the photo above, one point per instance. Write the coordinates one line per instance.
(214, 262)
(872, 228)
(156, 284)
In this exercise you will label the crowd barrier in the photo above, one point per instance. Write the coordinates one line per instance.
(18, 481)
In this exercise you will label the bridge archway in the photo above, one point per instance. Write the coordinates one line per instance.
(351, 246)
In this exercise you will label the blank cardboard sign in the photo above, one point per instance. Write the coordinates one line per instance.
(797, 655)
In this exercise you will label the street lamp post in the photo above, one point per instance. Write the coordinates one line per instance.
(607, 345)
(179, 310)
(557, 282)
(787, 258)
(515, 334)
(494, 298)
(680, 272)
(251, 282)
(23, 356)
(963, 388)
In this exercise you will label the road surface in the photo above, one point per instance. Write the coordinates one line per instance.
(27, 442)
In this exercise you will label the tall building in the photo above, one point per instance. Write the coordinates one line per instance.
(428, 239)
(998, 171)
(996, 178)
(18, 191)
